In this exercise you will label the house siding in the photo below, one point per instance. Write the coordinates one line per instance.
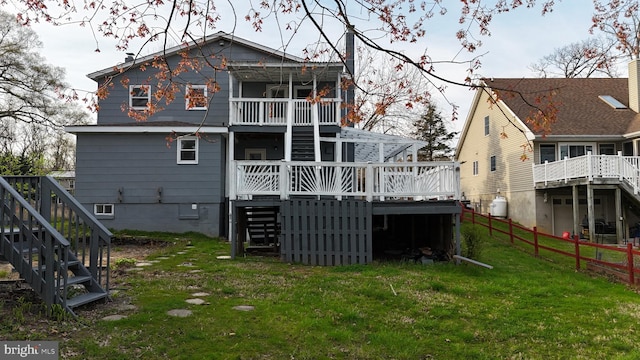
(513, 177)
(138, 173)
(218, 115)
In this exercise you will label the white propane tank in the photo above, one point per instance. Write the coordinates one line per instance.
(499, 207)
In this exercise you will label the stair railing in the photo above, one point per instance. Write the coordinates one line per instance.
(33, 246)
(89, 240)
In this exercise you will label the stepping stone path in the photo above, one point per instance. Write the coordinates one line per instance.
(244, 308)
(144, 263)
(196, 301)
(114, 317)
(180, 312)
(163, 258)
(200, 294)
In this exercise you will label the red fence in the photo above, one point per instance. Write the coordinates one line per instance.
(619, 260)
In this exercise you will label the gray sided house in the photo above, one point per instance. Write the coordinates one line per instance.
(260, 157)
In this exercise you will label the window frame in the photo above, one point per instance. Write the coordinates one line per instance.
(575, 145)
(103, 206)
(555, 152)
(606, 145)
(132, 96)
(188, 89)
(493, 163)
(476, 168)
(180, 150)
(261, 152)
(486, 126)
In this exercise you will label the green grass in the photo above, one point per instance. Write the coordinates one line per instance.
(523, 308)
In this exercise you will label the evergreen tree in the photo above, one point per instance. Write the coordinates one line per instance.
(431, 129)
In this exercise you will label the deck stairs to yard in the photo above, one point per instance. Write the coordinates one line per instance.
(263, 229)
(56, 246)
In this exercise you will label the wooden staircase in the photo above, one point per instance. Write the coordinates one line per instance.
(66, 264)
(302, 146)
(263, 228)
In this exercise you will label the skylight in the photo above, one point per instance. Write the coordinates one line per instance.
(611, 101)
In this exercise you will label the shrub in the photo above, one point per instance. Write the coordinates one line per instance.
(472, 242)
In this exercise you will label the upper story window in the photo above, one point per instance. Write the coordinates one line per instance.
(486, 125)
(187, 150)
(493, 163)
(475, 168)
(196, 97)
(547, 153)
(139, 96)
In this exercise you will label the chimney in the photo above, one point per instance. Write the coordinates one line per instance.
(634, 85)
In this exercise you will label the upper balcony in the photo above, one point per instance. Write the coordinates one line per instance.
(276, 112)
(285, 94)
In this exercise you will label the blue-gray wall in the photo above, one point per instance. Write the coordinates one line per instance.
(127, 170)
(218, 115)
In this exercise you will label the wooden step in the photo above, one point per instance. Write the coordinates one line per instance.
(73, 280)
(70, 265)
(85, 299)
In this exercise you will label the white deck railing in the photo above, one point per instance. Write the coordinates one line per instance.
(623, 168)
(274, 112)
(410, 181)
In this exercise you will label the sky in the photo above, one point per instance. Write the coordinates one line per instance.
(518, 39)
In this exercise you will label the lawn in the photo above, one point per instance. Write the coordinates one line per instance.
(523, 308)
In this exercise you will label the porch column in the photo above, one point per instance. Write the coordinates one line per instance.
(288, 136)
(591, 213)
(381, 180)
(338, 159)
(314, 119)
(231, 190)
(232, 106)
(576, 213)
(619, 217)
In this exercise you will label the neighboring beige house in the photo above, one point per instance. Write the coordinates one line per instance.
(591, 180)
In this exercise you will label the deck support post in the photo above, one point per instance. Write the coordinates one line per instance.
(576, 212)
(620, 233)
(591, 213)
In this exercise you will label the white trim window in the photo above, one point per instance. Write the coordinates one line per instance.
(187, 150)
(196, 97)
(139, 96)
(103, 209)
(486, 125)
(572, 150)
(475, 168)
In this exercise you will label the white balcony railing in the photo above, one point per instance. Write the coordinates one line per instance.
(272, 112)
(411, 181)
(623, 168)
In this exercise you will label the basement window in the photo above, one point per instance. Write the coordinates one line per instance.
(103, 209)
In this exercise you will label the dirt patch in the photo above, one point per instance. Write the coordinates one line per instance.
(29, 313)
